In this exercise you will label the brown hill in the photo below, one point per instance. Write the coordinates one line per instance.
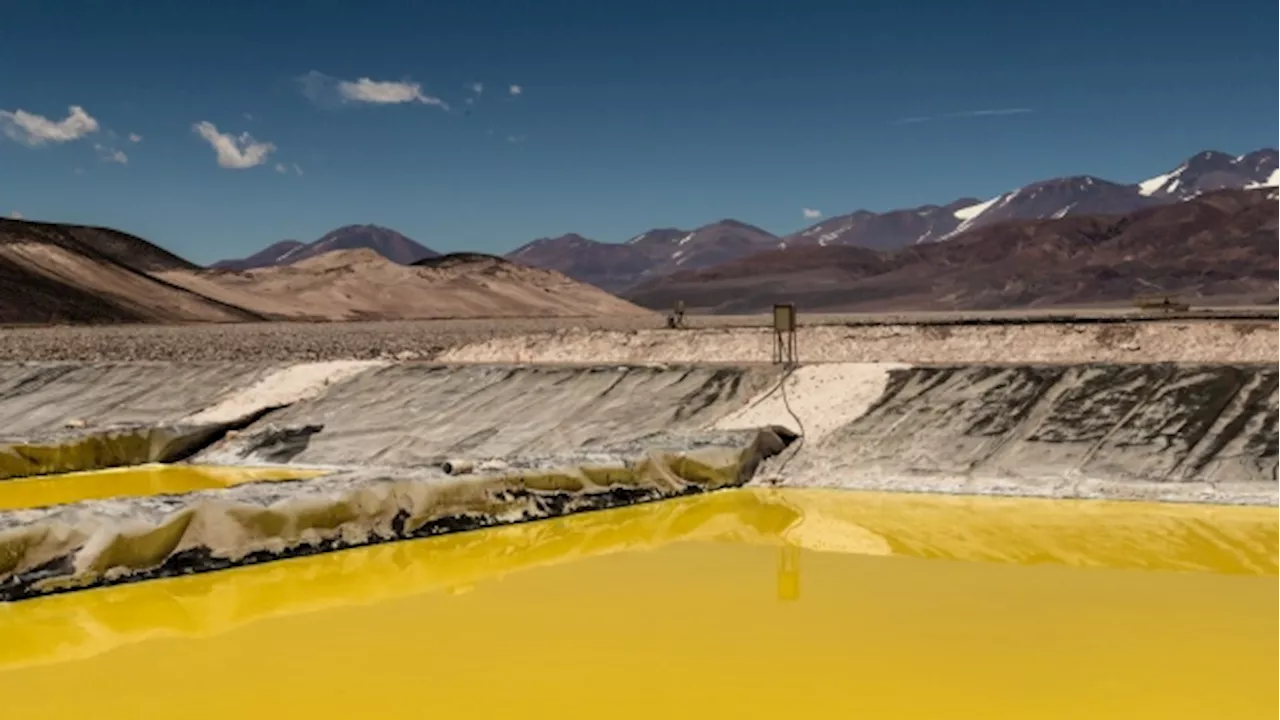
(608, 266)
(53, 273)
(363, 284)
(1220, 245)
(618, 266)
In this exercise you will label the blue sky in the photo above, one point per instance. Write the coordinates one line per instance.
(628, 115)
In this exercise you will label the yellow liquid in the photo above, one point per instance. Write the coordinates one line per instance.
(740, 604)
(134, 481)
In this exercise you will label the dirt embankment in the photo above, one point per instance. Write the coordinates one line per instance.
(414, 450)
(1209, 342)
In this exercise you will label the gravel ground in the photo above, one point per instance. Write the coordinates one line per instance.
(253, 342)
(278, 341)
(934, 337)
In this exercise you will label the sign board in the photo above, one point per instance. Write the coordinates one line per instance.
(784, 334)
(784, 318)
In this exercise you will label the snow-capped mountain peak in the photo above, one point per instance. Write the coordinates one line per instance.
(1211, 170)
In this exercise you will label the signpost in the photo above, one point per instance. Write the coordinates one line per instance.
(784, 334)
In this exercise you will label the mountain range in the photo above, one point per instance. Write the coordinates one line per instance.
(1219, 244)
(618, 267)
(660, 252)
(1206, 228)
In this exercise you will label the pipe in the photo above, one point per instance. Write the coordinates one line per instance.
(457, 467)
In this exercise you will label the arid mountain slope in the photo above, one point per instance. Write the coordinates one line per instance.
(1220, 245)
(362, 284)
(96, 242)
(60, 273)
(608, 266)
(384, 241)
(884, 231)
(618, 266)
(274, 254)
(27, 296)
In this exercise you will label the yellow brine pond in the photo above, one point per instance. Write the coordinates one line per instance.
(737, 604)
(133, 481)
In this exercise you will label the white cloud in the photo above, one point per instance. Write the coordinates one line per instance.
(35, 130)
(111, 155)
(15, 215)
(234, 152)
(281, 168)
(476, 88)
(989, 112)
(135, 138)
(811, 214)
(79, 171)
(286, 169)
(516, 138)
(515, 90)
(994, 112)
(386, 92)
(247, 116)
(325, 90)
(297, 170)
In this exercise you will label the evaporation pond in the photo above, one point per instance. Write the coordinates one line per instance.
(43, 490)
(739, 604)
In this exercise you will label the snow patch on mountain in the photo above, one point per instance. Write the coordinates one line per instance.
(1063, 212)
(1273, 180)
(1151, 186)
(973, 211)
(290, 253)
(968, 216)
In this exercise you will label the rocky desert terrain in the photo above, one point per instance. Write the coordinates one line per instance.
(1229, 335)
